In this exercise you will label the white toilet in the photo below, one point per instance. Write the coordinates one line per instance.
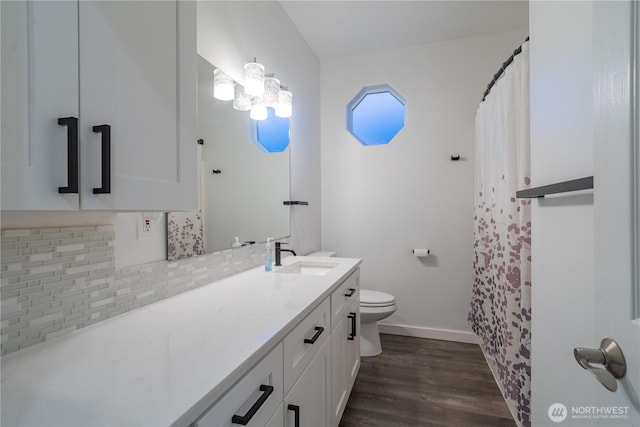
(374, 306)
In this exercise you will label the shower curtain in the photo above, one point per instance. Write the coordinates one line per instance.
(501, 301)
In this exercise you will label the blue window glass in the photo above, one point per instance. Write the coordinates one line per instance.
(272, 134)
(376, 114)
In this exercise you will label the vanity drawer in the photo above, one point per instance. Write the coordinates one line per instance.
(304, 342)
(259, 391)
(342, 297)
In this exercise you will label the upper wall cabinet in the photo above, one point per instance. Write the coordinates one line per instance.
(98, 105)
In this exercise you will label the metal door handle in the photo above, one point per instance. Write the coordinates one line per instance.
(314, 338)
(608, 355)
(105, 130)
(296, 414)
(72, 154)
(352, 335)
(244, 419)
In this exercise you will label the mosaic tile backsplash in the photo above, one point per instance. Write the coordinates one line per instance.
(57, 280)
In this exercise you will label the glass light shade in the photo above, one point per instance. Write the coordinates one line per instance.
(254, 79)
(241, 99)
(222, 85)
(258, 109)
(271, 91)
(285, 104)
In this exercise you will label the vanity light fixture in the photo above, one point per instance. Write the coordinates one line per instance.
(271, 91)
(285, 103)
(254, 78)
(222, 85)
(241, 99)
(259, 92)
(258, 109)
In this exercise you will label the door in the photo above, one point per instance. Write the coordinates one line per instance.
(39, 86)
(582, 255)
(617, 196)
(138, 76)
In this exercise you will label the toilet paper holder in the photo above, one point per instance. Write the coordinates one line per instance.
(421, 252)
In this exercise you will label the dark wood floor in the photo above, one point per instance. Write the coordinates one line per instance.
(423, 382)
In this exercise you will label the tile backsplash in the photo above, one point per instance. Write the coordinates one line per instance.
(57, 280)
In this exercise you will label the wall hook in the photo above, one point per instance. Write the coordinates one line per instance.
(455, 157)
(216, 171)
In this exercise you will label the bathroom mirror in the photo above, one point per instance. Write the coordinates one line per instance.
(242, 186)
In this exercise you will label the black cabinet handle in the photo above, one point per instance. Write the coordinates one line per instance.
(296, 414)
(72, 154)
(244, 419)
(313, 339)
(352, 335)
(105, 130)
(350, 293)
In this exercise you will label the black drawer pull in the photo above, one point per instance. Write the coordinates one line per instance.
(352, 335)
(296, 414)
(350, 293)
(72, 154)
(313, 339)
(105, 130)
(244, 419)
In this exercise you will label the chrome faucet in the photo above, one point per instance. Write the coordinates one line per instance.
(279, 250)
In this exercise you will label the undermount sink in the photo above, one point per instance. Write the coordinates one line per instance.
(309, 268)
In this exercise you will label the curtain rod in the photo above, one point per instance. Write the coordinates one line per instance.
(497, 75)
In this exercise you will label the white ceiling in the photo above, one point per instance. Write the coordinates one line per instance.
(339, 28)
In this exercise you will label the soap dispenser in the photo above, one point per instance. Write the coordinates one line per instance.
(267, 255)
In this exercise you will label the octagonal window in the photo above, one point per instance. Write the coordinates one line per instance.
(376, 114)
(272, 134)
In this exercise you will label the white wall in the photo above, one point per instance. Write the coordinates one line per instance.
(232, 33)
(562, 226)
(379, 202)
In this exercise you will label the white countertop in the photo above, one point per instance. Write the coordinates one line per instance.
(165, 363)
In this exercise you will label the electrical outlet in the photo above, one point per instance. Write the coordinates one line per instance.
(145, 227)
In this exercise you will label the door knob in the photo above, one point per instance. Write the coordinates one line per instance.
(608, 355)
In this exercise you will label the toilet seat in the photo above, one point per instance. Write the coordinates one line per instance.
(369, 298)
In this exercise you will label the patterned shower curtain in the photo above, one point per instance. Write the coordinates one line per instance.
(501, 302)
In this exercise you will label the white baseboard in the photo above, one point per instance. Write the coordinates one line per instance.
(433, 333)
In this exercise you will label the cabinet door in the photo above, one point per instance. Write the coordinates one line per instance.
(353, 345)
(338, 368)
(345, 358)
(342, 297)
(39, 86)
(309, 401)
(138, 75)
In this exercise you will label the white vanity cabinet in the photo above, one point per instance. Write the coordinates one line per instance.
(98, 105)
(318, 360)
